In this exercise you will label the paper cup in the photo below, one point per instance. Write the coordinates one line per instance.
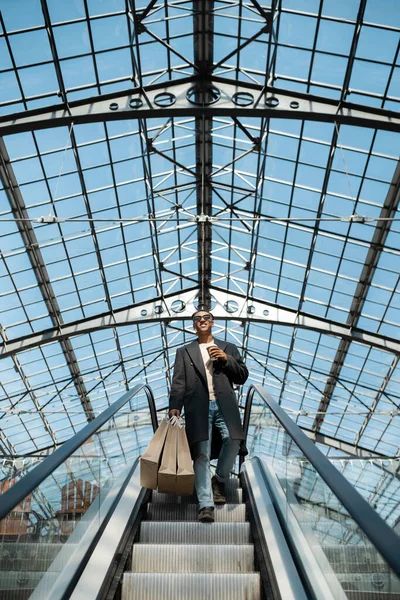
(208, 350)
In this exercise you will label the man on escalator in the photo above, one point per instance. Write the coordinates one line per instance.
(202, 384)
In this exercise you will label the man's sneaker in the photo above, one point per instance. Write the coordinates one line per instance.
(206, 515)
(218, 489)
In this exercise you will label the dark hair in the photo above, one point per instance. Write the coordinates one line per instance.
(203, 310)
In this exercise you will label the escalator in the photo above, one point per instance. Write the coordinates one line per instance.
(78, 525)
(193, 560)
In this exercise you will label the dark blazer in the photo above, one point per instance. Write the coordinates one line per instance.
(189, 389)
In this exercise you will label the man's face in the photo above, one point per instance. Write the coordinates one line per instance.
(202, 322)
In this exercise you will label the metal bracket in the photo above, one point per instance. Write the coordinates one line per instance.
(356, 219)
(303, 413)
(49, 219)
(204, 219)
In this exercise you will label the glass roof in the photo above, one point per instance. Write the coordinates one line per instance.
(159, 156)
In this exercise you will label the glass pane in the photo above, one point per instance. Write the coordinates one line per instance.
(40, 535)
(339, 546)
(377, 480)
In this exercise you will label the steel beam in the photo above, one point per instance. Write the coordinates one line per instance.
(389, 209)
(146, 102)
(203, 32)
(30, 393)
(352, 54)
(32, 245)
(181, 305)
(377, 398)
(353, 450)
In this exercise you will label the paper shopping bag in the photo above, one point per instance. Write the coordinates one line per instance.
(185, 472)
(167, 470)
(150, 460)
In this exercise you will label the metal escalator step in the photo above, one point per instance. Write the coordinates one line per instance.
(157, 497)
(185, 586)
(181, 532)
(233, 493)
(233, 496)
(185, 558)
(228, 513)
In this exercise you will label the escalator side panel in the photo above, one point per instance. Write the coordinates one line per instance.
(276, 556)
(315, 569)
(96, 574)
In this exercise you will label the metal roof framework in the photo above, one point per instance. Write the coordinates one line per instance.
(242, 156)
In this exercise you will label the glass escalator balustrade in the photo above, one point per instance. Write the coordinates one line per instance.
(340, 548)
(377, 480)
(40, 535)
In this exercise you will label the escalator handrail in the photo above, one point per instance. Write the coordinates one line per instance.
(385, 540)
(29, 482)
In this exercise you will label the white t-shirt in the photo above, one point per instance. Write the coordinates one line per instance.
(208, 367)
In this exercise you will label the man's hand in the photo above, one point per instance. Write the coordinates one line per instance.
(217, 354)
(174, 412)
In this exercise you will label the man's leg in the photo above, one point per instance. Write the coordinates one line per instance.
(202, 474)
(226, 459)
(202, 479)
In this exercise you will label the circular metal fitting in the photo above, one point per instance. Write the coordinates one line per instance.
(203, 95)
(243, 98)
(165, 99)
(271, 101)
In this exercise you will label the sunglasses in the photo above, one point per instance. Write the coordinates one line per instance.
(198, 318)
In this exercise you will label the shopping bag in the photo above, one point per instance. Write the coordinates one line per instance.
(150, 460)
(167, 469)
(185, 472)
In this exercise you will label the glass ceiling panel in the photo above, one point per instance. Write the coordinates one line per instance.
(121, 199)
(383, 299)
(96, 47)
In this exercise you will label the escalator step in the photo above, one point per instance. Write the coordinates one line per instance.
(185, 586)
(232, 491)
(157, 497)
(229, 513)
(185, 558)
(152, 532)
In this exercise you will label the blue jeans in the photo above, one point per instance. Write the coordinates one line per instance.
(202, 451)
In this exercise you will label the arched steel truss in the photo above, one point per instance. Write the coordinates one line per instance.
(203, 96)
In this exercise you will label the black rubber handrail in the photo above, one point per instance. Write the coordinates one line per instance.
(34, 478)
(385, 540)
(152, 407)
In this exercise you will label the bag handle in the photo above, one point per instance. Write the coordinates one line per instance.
(176, 422)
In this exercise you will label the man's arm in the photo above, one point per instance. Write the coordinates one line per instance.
(235, 367)
(178, 386)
